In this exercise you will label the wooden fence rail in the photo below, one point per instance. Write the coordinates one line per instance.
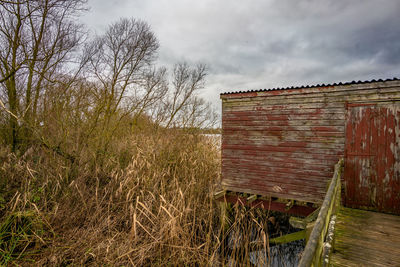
(312, 255)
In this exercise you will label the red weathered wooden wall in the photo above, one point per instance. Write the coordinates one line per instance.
(373, 156)
(284, 143)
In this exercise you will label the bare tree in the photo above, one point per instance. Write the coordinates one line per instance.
(40, 81)
(37, 40)
(181, 103)
(198, 114)
(121, 61)
(149, 92)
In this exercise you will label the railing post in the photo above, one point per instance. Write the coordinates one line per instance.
(313, 250)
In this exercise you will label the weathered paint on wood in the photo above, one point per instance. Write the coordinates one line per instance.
(284, 143)
(331, 100)
(372, 170)
(366, 238)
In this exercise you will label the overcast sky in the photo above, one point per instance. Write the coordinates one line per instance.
(258, 44)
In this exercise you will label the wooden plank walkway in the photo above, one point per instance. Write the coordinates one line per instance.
(366, 238)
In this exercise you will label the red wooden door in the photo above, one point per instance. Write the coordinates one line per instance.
(372, 157)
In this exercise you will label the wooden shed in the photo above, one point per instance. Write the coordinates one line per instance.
(283, 143)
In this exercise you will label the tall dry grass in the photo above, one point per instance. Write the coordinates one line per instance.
(149, 204)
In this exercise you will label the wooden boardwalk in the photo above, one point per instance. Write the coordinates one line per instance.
(365, 238)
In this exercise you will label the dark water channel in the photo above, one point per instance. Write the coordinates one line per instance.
(280, 255)
(287, 254)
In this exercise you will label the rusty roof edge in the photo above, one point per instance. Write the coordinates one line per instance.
(310, 86)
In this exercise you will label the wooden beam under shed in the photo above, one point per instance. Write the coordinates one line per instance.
(274, 205)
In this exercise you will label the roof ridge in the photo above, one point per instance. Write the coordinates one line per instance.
(312, 86)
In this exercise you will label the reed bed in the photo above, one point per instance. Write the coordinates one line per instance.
(150, 203)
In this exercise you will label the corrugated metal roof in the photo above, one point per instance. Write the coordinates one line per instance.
(311, 86)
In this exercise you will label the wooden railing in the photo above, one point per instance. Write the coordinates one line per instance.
(314, 250)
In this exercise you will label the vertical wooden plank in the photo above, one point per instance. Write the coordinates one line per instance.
(362, 181)
(367, 151)
(388, 181)
(374, 131)
(357, 150)
(396, 175)
(381, 157)
(366, 171)
(349, 160)
(358, 142)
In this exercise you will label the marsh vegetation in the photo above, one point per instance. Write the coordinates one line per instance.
(102, 156)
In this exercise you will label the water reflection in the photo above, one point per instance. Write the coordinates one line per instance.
(280, 255)
(246, 242)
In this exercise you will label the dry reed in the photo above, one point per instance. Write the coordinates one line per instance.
(150, 203)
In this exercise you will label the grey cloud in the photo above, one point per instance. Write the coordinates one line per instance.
(261, 44)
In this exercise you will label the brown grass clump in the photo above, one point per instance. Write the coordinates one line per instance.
(149, 204)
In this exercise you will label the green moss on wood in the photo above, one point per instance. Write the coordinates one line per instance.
(289, 237)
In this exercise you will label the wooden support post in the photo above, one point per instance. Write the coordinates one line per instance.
(303, 222)
(219, 194)
(289, 205)
(251, 199)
